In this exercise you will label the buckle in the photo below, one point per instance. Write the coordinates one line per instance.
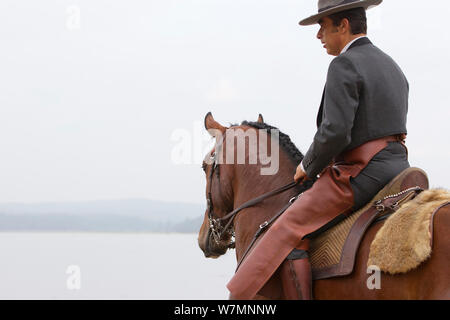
(295, 198)
(380, 206)
(263, 225)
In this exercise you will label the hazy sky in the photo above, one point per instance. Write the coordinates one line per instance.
(94, 93)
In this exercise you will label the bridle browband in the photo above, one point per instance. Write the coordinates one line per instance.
(217, 230)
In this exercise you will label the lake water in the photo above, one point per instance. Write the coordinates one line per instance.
(110, 266)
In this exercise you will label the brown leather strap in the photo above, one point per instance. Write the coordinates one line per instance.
(391, 203)
(259, 199)
(432, 220)
(360, 154)
(365, 220)
(254, 201)
(263, 227)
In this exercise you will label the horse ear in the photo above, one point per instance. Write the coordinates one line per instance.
(212, 126)
(260, 118)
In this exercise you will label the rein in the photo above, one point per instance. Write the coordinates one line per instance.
(215, 224)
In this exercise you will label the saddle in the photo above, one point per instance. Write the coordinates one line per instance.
(333, 252)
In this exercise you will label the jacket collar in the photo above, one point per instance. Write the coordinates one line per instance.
(360, 42)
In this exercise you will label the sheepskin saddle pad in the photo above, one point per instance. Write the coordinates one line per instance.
(405, 240)
(327, 255)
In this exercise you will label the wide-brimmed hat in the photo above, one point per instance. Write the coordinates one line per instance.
(328, 7)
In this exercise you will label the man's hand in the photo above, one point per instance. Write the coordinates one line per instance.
(300, 175)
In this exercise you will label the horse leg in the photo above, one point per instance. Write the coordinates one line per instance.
(428, 281)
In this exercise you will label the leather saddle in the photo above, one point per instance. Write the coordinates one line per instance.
(333, 252)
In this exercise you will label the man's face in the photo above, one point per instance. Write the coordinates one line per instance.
(330, 36)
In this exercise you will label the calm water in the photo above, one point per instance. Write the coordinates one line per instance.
(110, 266)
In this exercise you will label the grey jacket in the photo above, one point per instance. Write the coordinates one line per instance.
(365, 98)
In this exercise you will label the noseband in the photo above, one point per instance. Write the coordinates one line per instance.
(217, 229)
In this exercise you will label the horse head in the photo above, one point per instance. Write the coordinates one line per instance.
(230, 181)
(214, 240)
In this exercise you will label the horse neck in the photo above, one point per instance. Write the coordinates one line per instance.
(248, 184)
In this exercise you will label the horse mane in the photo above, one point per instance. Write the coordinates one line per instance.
(285, 141)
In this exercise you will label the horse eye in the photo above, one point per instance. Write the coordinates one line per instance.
(204, 166)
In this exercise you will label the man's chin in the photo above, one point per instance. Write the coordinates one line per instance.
(329, 51)
(332, 53)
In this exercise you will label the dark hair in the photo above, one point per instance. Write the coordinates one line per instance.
(356, 17)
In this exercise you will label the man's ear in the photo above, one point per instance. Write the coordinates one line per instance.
(345, 25)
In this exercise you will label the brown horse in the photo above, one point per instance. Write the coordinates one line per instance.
(229, 185)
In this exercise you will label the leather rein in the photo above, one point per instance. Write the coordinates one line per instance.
(217, 229)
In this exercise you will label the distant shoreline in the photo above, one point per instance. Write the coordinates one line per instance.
(114, 216)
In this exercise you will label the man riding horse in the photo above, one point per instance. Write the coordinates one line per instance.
(357, 149)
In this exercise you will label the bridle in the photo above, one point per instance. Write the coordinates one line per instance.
(217, 229)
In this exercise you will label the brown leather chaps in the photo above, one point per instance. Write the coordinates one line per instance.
(330, 197)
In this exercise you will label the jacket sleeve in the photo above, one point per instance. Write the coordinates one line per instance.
(341, 100)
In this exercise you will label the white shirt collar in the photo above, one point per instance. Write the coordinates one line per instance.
(350, 43)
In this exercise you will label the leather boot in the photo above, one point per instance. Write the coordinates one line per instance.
(296, 276)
